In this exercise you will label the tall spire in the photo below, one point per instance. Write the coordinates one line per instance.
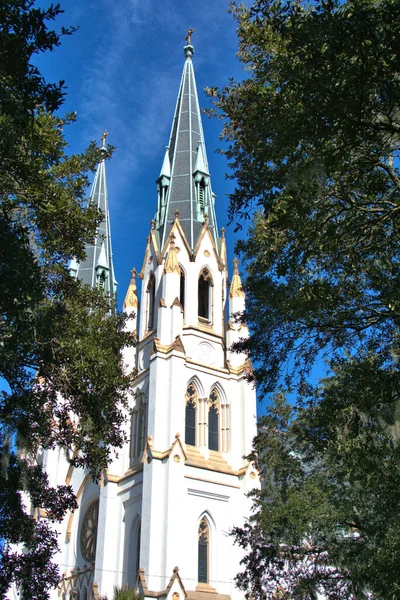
(97, 270)
(187, 187)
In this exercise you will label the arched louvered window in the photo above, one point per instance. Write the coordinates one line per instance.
(202, 194)
(101, 281)
(213, 421)
(190, 415)
(204, 294)
(151, 295)
(182, 289)
(203, 551)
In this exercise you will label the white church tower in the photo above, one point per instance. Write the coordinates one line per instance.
(160, 517)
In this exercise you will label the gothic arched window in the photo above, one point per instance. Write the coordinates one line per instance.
(213, 421)
(142, 427)
(182, 289)
(151, 296)
(204, 294)
(139, 428)
(137, 557)
(203, 551)
(190, 415)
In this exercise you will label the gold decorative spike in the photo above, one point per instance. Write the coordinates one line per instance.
(188, 36)
(171, 264)
(177, 215)
(103, 139)
(131, 299)
(223, 233)
(236, 290)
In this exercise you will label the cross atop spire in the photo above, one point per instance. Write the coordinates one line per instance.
(184, 183)
(188, 36)
(103, 139)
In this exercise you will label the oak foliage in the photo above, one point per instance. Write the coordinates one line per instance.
(60, 343)
(313, 145)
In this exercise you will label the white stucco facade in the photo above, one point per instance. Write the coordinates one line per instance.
(164, 485)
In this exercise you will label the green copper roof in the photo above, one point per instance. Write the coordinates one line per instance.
(186, 188)
(97, 269)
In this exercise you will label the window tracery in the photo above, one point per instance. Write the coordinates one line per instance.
(139, 427)
(203, 551)
(213, 420)
(88, 536)
(191, 415)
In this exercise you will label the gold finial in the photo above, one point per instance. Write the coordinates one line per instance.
(171, 264)
(177, 215)
(152, 224)
(236, 290)
(223, 232)
(131, 299)
(188, 36)
(103, 139)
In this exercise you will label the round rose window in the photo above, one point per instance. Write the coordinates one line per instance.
(89, 532)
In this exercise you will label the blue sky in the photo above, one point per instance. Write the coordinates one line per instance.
(122, 69)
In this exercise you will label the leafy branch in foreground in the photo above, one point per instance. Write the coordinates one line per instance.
(61, 343)
(313, 135)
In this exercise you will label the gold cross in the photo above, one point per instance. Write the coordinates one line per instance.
(188, 36)
(103, 139)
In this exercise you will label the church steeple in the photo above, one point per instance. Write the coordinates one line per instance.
(97, 270)
(184, 183)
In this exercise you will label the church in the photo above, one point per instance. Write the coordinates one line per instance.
(159, 518)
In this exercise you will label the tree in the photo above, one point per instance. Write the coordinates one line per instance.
(61, 342)
(313, 144)
(126, 593)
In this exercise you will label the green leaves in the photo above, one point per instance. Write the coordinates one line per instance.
(313, 137)
(60, 342)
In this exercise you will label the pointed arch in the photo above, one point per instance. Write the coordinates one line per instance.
(139, 425)
(225, 418)
(131, 545)
(182, 287)
(214, 413)
(194, 380)
(218, 419)
(102, 280)
(191, 411)
(201, 194)
(203, 550)
(135, 538)
(150, 303)
(221, 392)
(204, 294)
